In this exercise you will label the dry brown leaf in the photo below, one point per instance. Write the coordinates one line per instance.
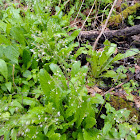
(93, 90)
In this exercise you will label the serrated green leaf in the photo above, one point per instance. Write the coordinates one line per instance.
(8, 86)
(90, 122)
(4, 40)
(86, 135)
(138, 136)
(63, 137)
(107, 127)
(2, 131)
(80, 136)
(75, 68)
(46, 82)
(13, 134)
(97, 99)
(59, 74)
(108, 51)
(18, 34)
(12, 53)
(15, 103)
(26, 73)
(138, 17)
(109, 108)
(5, 116)
(81, 50)
(55, 136)
(26, 58)
(80, 114)
(124, 129)
(3, 69)
(45, 129)
(128, 53)
(75, 33)
(1, 51)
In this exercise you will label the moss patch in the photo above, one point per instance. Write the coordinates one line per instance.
(117, 19)
(119, 103)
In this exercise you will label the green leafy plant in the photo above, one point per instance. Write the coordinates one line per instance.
(101, 61)
(43, 92)
(66, 111)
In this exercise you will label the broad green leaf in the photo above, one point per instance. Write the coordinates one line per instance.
(26, 100)
(138, 136)
(63, 137)
(130, 97)
(92, 134)
(55, 136)
(26, 74)
(75, 33)
(75, 68)
(34, 133)
(1, 51)
(124, 129)
(2, 131)
(115, 133)
(45, 129)
(18, 34)
(12, 53)
(128, 53)
(8, 86)
(81, 50)
(47, 84)
(109, 108)
(90, 122)
(80, 136)
(3, 68)
(26, 58)
(5, 116)
(97, 99)
(107, 127)
(110, 73)
(138, 17)
(86, 135)
(15, 103)
(13, 134)
(4, 40)
(105, 55)
(3, 25)
(80, 114)
(59, 74)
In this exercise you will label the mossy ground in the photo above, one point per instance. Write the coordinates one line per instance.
(120, 103)
(117, 19)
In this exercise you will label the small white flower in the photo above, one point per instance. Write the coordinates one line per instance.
(28, 122)
(46, 118)
(6, 108)
(36, 132)
(121, 111)
(27, 130)
(58, 113)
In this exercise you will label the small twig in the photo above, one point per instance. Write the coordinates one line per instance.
(103, 28)
(88, 14)
(59, 3)
(66, 3)
(79, 10)
(96, 17)
(104, 11)
(111, 89)
(13, 75)
(64, 6)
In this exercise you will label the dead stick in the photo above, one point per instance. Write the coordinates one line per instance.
(127, 32)
(102, 31)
